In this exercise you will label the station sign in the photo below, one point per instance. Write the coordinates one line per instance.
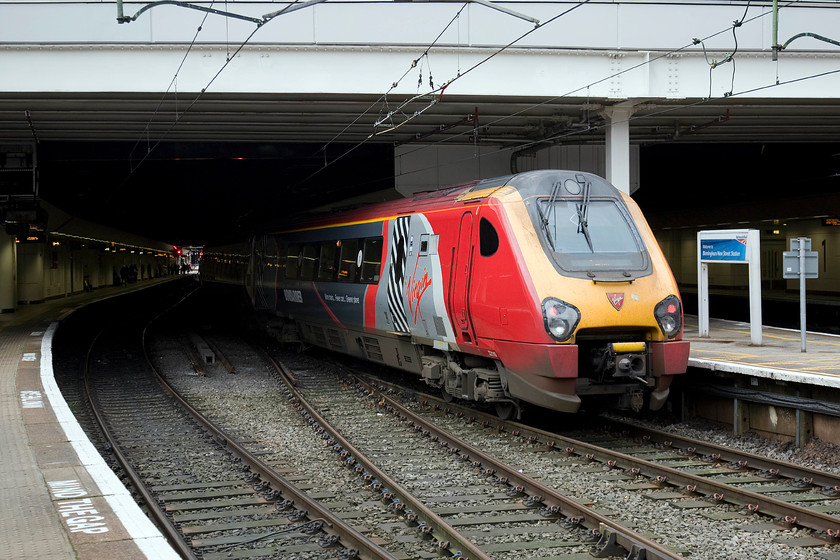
(800, 247)
(716, 250)
(803, 263)
(724, 246)
(729, 246)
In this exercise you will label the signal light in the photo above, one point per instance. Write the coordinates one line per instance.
(669, 316)
(560, 318)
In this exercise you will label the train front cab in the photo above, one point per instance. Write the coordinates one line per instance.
(610, 339)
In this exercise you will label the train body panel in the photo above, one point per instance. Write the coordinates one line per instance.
(410, 300)
(540, 287)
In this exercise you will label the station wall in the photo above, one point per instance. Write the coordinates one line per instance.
(680, 248)
(8, 273)
(435, 166)
(47, 270)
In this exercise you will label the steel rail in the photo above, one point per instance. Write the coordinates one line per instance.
(690, 483)
(627, 538)
(728, 454)
(173, 535)
(349, 537)
(447, 537)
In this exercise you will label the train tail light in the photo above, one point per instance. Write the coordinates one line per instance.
(560, 318)
(669, 316)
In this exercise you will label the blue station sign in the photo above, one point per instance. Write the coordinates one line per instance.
(724, 250)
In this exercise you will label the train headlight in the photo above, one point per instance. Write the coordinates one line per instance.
(560, 318)
(669, 316)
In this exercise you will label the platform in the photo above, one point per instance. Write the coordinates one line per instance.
(728, 348)
(59, 499)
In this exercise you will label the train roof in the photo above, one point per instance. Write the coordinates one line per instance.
(531, 183)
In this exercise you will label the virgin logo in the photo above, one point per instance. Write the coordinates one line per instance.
(616, 299)
(415, 291)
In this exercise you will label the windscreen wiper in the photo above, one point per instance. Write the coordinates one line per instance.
(544, 221)
(555, 190)
(583, 211)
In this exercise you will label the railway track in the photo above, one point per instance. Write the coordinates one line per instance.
(513, 539)
(252, 405)
(792, 495)
(211, 496)
(414, 487)
(421, 493)
(799, 507)
(456, 492)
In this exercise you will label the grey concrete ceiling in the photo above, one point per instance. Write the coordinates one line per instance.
(503, 121)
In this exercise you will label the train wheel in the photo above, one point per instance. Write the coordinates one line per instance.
(446, 395)
(507, 410)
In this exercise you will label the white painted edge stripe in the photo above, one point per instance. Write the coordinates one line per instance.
(769, 373)
(141, 530)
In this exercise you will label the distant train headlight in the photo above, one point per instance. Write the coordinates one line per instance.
(560, 318)
(669, 316)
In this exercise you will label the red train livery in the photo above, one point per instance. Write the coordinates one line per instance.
(545, 287)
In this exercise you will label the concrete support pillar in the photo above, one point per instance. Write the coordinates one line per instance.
(31, 272)
(8, 273)
(804, 421)
(740, 416)
(618, 146)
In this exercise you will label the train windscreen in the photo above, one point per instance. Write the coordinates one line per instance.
(593, 235)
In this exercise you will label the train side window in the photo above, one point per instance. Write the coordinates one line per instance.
(372, 260)
(348, 263)
(309, 262)
(326, 268)
(293, 262)
(488, 238)
(428, 244)
(280, 261)
(424, 244)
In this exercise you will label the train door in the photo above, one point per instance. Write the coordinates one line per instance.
(461, 272)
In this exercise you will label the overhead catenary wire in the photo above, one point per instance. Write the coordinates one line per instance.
(665, 110)
(729, 57)
(295, 5)
(395, 83)
(171, 84)
(439, 91)
(184, 112)
(572, 133)
(588, 86)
